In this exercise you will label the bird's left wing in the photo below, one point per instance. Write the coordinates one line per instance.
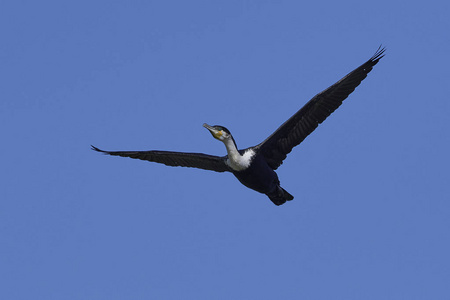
(175, 159)
(276, 147)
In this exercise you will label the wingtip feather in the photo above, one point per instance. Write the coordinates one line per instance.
(379, 54)
(97, 149)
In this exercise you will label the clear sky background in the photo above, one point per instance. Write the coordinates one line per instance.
(370, 218)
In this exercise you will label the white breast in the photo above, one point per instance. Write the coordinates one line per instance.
(240, 162)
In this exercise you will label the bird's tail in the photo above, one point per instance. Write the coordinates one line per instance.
(280, 196)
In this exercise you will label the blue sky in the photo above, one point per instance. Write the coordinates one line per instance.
(370, 218)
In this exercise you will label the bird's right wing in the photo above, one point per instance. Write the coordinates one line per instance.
(175, 159)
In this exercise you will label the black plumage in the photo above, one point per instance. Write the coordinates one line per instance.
(175, 159)
(255, 166)
(303, 122)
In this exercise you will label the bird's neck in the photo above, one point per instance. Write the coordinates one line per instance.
(235, 160)
(231, 148)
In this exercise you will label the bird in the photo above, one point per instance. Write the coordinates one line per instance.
(255, 166)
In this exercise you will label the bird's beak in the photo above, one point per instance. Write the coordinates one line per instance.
(210, 128)
(215, 133)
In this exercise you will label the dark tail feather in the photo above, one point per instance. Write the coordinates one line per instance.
(280, 196)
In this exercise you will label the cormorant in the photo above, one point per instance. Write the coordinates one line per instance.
(255, 167)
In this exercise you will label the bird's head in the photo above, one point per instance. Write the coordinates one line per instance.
(218, 132)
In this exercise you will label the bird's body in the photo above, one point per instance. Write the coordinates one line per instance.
(251, 169)
(262, 178)
(255, 167)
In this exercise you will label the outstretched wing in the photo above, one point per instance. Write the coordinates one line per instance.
(276, 147)
(175, 159)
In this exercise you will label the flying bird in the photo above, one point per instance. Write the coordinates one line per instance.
(255, 167)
